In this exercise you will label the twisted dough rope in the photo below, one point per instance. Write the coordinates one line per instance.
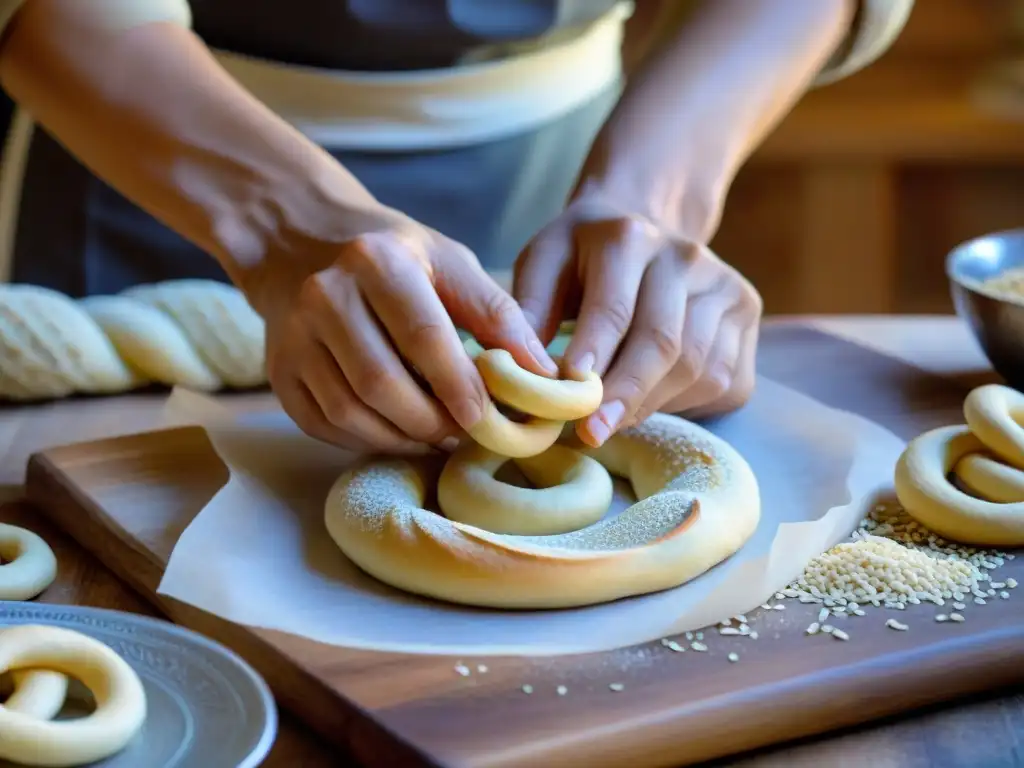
(29, 565)
(28, 737)
(986, 456)
(698, 503)
(199, 334)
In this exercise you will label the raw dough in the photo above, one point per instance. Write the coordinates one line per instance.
(987, 458)
(199, 334)
(29, 565)
(120, 711)
(698, 503)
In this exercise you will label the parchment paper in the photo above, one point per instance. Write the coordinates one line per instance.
(259, 554)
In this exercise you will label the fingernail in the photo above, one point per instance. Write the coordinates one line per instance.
(541, 356)
(584, 365)
(608, 417)
(449, 444)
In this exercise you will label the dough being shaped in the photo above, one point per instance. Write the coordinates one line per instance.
(698, 503)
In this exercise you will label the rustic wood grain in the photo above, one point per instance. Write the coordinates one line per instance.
(127, 499)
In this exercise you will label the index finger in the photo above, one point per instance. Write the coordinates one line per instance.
(403, 298)
(613, 269)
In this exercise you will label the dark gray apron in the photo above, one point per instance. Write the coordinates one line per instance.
(77, 235)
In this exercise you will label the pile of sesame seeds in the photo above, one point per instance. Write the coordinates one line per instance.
(890, 563)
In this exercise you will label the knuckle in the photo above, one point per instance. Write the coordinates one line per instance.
(666, 344)
(617, 314)
(691, 359)
(500, 310)
(372, 383)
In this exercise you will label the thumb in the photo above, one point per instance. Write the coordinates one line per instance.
(479, 305)
(540, 284)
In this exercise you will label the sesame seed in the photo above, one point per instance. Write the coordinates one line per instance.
(561, 690)
(778, 607)
(1011, 583)
(1004, 595)
(813, 628)
(979, 600)
(481, 668)
(959, 606)
(700, 635)
(728, 631)
(753, 635)
(462, 669)
(734, 657)
(527, 689)
(956, 617)
(698, 646)
(828, 629)
(838, 634)
(616, 686)
(893, 624)
(674, 646)
(941, 617)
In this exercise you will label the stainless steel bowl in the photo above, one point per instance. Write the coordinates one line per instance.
(997, 323)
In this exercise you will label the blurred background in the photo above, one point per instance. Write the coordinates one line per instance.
(853, 203)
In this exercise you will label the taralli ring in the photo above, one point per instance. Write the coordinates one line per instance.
(987, 459)
(571, 491)
(698, 504)
(120, 699)
(29, 565)
(548, 402)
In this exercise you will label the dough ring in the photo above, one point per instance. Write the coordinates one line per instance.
(29, 565)
(698, 503)
(571, 491)
(120, 699)
(548, 402)
(987, 458)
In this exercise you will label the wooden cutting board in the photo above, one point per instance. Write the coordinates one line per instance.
(128, 499)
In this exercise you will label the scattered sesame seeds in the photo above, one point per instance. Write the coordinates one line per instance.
(561, 690)
(616, 686)
(828, 629)
(728, 631)
(462, 669)
(893, 624)
(940, 617)
(1004, 595)
(980, 600)
(813, 629)
(527, 689)
(1011, 582)
(674, 646)
(956, 617)
(838, 634)
(959, 606)
(698, 646)
(823, 614)
(734, 657)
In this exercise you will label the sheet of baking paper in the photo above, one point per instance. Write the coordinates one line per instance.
(259, 554)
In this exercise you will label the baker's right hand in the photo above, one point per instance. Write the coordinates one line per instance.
(344, 334)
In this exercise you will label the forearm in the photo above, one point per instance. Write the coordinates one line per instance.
(697, 108)
(150, 111)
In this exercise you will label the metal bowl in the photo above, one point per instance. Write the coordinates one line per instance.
(996, 322)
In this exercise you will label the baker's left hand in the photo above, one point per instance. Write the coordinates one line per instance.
(667, 324)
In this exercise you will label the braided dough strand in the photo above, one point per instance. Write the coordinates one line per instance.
(987, 458)
(199, 334)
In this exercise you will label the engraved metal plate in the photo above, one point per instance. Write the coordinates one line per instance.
(206, 708)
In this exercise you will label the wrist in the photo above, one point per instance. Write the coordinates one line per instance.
(683, 198)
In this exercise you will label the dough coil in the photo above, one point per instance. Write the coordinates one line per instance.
(986, 459)
(502, 546)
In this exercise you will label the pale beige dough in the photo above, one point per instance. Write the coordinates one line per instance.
(199, 334)
(26, 738)
(29, 564)
(986, 456)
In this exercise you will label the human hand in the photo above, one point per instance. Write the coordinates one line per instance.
(362, 347)
(668, 325)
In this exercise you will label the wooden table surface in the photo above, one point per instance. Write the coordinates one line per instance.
(984, 733)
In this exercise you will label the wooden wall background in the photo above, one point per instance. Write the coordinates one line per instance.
(853, 202)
